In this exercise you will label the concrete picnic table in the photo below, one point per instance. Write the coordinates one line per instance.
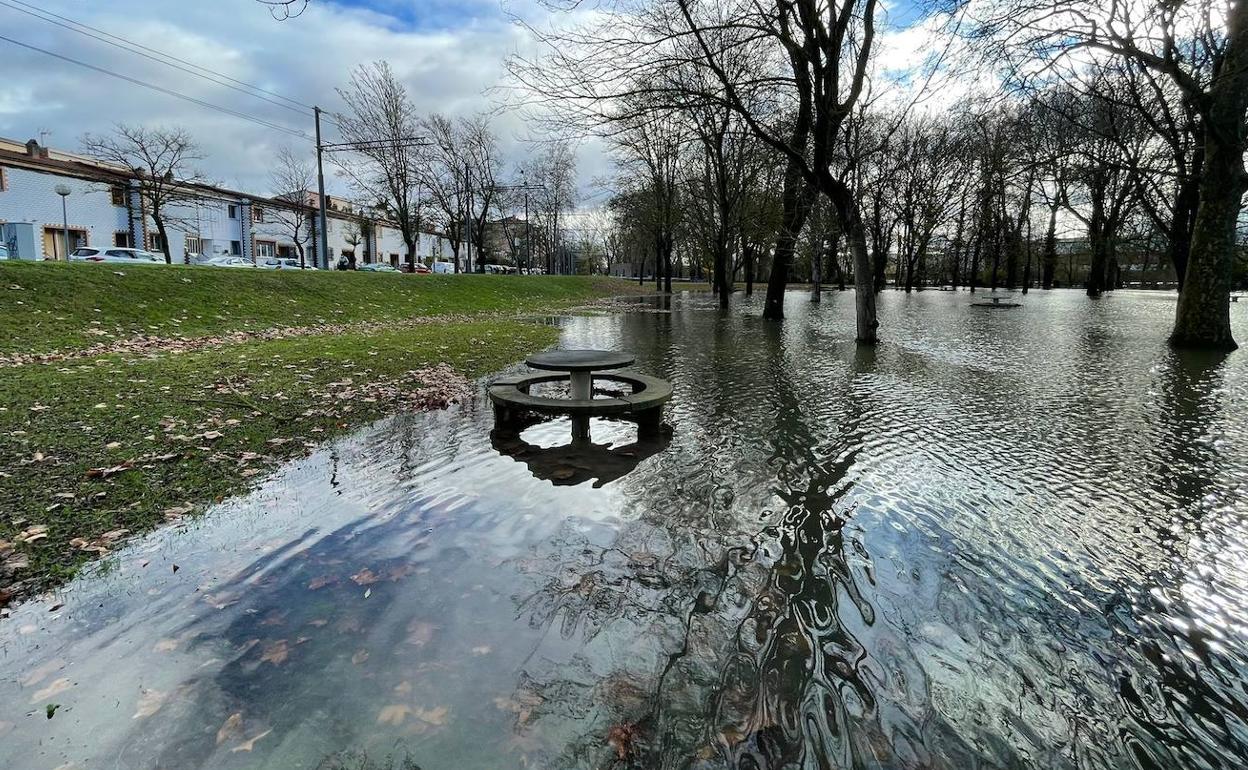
(580, 366)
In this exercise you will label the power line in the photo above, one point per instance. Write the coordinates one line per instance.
(160, 89)
(138, 49)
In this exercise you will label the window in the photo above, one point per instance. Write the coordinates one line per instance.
(118, 194)
(236, 247)
(121, 239)
(194, 246)
(257, 214)
(266, 249)
(155, 243)
(233, 211)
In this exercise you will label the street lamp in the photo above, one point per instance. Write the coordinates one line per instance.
(64, 191)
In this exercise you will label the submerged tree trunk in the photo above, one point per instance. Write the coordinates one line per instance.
(796, 198)
(747, 253)
(1049, 265)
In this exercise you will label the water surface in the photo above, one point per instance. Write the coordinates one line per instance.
(1003, 538)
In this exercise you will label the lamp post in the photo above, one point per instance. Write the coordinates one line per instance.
(64, 191)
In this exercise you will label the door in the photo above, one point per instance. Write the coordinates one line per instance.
(54, 242)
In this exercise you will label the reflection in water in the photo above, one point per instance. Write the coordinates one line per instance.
(997, 540)
(580, 460)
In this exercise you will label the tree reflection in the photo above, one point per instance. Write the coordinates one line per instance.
(724, 648)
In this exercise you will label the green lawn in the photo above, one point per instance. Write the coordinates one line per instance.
(46, 307)
(94, 446)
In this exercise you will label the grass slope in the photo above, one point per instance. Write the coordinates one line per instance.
(46, 307)
(96, 449)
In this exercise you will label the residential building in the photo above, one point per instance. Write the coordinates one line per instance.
(103, 207)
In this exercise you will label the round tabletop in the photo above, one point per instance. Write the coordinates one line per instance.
(580, 360)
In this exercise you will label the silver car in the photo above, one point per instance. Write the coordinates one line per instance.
(281, 263)
(225, 260)
(115, 254)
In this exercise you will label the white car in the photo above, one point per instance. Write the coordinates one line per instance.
(281, 263)
(118, 254)
(225, 260)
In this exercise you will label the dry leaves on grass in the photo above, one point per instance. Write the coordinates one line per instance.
(151, 345)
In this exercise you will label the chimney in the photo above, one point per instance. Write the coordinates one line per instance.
(33, 149)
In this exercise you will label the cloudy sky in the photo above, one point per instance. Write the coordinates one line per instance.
(450, 53)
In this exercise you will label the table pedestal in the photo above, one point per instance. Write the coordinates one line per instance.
(582, 386)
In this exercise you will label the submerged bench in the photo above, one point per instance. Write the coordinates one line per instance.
(513, 400)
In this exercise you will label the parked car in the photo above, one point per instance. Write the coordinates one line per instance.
(4, 250)
(421, 269)
(281, 263)
(225, 260)
(105, 254)
(377, 267)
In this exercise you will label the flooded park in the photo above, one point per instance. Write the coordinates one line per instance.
(1001, 538)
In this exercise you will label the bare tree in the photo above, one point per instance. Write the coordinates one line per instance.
(485, 165)
(553, 171)
(161, 160)
(382, 127)
(444, 174)
(290, 179)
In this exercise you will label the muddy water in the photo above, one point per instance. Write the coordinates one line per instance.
(1004, 538)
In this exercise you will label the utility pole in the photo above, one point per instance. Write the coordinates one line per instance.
(468, 216)
(322, 231)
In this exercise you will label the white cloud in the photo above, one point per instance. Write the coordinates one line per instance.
(448, 68)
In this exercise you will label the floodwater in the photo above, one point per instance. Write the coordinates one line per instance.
(1003, 538)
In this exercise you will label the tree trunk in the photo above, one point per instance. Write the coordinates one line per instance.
(411, 254)
(164, 238)
(1203, 318)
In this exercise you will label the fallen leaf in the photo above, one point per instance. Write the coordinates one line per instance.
(359, 657)
(231, 727)
(419, 633)
(149, 703)
(249, 744)
(321, 582)
(365, 577)
(39, 673)
(166, 645)
(56, 688)
(51, 708)
(434, 716)
(276, 653)
(394, 714)
(621, 738)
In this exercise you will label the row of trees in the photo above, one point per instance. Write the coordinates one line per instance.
(434, 172)
(746, 129)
